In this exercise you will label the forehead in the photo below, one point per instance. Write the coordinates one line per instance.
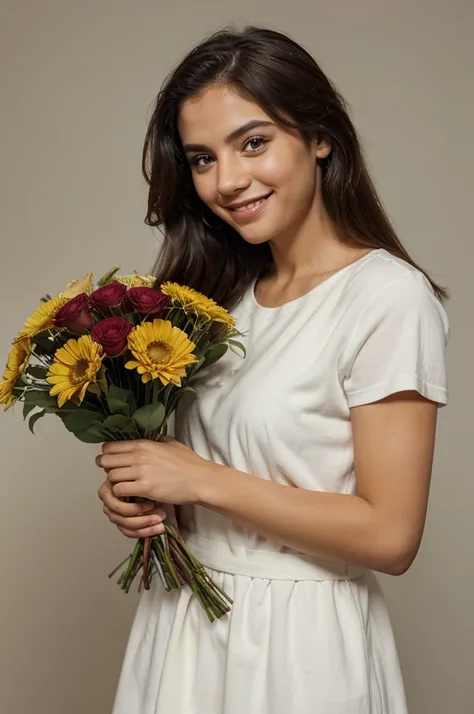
(214, 113)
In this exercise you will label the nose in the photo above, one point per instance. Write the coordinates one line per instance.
(232, 177)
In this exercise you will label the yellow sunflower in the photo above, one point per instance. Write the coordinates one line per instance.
(161, 351)
(74, 368)
(41, 319)
(191, 301)
(135, 280)
(16, 363)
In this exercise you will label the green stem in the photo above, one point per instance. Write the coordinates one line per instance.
(118, 566)
(133, 557)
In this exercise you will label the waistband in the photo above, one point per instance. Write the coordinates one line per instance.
(269, 565)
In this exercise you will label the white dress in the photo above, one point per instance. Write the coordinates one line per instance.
(304, 636)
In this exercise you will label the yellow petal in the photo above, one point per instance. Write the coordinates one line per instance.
(64, 397)
(76, 287)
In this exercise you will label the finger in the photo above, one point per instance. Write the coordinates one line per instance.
(118, 504)
(107, 497)
(105, 489)
(120, 447)
(110, 461)
(128, 488)
(144, 533)
(126, 509)
(135, 523)
(122, 474)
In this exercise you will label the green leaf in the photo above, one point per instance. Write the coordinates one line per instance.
(88, 438)
(70, 407)
(94, 389)
(81, 420)
(102, 381)
(37, 371)
(101, 432)
(149, 417)
(118, 407)
(121, 401)
(45, 341)
(33, 419)
(27, 408)
(239, 346)
(107, 277)
(118, 421)
(123, 395)
(41, 398)
(215, 353)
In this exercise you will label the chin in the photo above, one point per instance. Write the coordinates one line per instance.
(254, 240)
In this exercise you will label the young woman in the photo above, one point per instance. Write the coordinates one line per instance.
(304, 467)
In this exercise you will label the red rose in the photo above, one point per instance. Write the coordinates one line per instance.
(112, 334)
(110, 295)
(75, 314)
(147, 301)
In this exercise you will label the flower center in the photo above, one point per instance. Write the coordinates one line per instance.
(79, 370)
(159, 351)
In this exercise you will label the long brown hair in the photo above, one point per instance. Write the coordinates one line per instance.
(285, 81)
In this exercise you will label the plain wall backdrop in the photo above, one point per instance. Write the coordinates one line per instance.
(77, 81)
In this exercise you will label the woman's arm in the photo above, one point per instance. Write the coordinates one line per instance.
(381, 526)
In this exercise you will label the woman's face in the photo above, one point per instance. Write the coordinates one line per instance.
(239, 155)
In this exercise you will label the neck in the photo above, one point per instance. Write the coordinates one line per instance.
(312, 248)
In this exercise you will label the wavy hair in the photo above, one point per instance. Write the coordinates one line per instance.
(284, 79)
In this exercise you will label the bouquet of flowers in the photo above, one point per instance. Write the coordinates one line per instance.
(112, 363)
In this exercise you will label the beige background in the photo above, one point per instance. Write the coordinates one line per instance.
(77, 81)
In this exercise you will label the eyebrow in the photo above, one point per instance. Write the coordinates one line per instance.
(236, 134)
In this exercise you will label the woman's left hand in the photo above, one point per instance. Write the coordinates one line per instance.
(166, 471)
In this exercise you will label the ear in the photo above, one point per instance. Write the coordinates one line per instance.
(322, 147)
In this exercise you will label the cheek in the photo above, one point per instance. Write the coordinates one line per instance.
(205, 187)
(284, 169)
(272, 169)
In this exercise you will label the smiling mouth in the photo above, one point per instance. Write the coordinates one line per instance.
(250, 206)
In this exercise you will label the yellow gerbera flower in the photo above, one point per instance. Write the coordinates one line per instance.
(135, 280)
(16, 363)
(41, 319)
(161, 351)
(74, 368)
(191, 301)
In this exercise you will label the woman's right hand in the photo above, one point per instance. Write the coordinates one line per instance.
(135, 520)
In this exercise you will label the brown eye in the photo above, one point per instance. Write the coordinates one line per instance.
(259, 140)
(197, 159)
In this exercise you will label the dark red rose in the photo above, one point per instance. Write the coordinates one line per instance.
(110, 295)
(75, 314)
(112, 333)
(147, 301)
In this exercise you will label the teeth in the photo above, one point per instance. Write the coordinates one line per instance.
(250, 206)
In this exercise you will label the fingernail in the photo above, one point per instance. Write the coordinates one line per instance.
(161, 513)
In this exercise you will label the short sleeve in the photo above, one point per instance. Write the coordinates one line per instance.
(398, 343)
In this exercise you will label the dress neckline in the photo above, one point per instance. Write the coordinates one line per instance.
(320, 287)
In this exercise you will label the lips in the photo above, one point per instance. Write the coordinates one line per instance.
(249, 205)
(250, 211)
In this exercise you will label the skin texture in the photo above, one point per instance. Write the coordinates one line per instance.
(381, 526)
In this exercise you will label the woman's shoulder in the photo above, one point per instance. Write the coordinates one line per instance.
(386, 278)
(388, 289)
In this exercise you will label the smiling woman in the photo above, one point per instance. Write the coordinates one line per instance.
(305, 467)
(271, 173)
